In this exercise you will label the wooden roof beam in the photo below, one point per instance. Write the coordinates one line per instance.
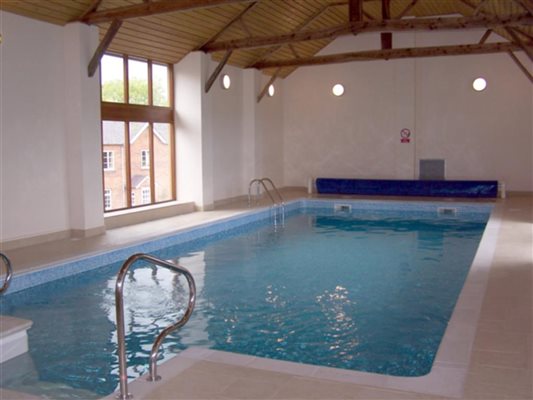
(230, 23)
(407, 9)
(393, 54)
(102, 47)
(217, 70)
(92, 8)
(443, 23)
(526, 5)
(355, 10)
(386, 37)
(270, 82)
(521, 66)
(300, 27)
(152, 8)
(528, 48)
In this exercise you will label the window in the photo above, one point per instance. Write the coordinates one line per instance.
(145, 159)
(107, 199)
(137, 131)
(145, 195)
(109, 160)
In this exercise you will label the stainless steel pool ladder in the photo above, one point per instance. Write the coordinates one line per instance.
(261, 181)
(9, 273)
(119, 300)
(277, 204)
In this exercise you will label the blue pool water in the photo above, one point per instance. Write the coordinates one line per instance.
(368, 291)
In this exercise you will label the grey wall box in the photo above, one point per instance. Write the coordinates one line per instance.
(431, 170)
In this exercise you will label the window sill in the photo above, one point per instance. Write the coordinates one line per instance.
(137, 215)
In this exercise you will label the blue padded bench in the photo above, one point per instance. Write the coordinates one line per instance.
(393, 187)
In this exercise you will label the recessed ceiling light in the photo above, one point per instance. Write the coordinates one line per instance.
(226, 81)
(479, 84)
(338, 90)
(271, 90)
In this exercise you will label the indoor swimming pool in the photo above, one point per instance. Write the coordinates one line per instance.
(365, 286)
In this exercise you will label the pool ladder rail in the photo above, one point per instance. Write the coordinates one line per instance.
(280, 203)
(119, 300)
(9, 273)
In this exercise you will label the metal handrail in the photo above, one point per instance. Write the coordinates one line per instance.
(275, 189)
(259, 181)
(119, 300)
(9, 273)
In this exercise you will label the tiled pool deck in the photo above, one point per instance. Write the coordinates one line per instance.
(495, 364)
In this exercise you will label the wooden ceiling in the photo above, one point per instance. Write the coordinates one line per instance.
(277, 36)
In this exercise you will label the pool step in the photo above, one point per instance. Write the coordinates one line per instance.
(13, 337)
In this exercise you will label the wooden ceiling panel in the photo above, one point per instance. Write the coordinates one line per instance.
(170, 36)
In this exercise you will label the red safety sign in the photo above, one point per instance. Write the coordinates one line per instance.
(405, 135)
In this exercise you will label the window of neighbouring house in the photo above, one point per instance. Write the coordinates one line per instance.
(107, 199)
(145, 159)
(109, 160)
(145, 191)
(137, 132)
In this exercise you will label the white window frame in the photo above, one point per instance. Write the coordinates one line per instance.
(110, 158)
(107, 199)
(145, 159)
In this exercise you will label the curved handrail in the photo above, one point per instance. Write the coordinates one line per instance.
(9, 273)
(259, 181)
(119, 300)
(275, 190)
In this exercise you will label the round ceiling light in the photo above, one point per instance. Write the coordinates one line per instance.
(479, 84)
(338, 90)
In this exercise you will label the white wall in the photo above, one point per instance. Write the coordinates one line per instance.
(484, 135)
(224, 137)
(35, 186)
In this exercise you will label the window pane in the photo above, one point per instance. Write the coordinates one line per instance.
(138, 81)
(162, 162)
(112, 70)
(140, 175)
(114, 160)
(160, 85)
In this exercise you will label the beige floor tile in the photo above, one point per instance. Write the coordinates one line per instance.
(510, 342)
(501, 359)
(303, 388)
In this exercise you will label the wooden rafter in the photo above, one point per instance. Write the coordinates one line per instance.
(407, 9)
(477, 10)
(217, 70)
(374, 26)
(92, 8)
(392, 54)
(355, 10)
(386, 37)
(270, 82)
(521, 66)
(299, 28)
(485, 36)
(473, 7)
(293, 51)
(102, 47)
(236, 18)
(152, 8)
(516, 39)
(526, 5)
